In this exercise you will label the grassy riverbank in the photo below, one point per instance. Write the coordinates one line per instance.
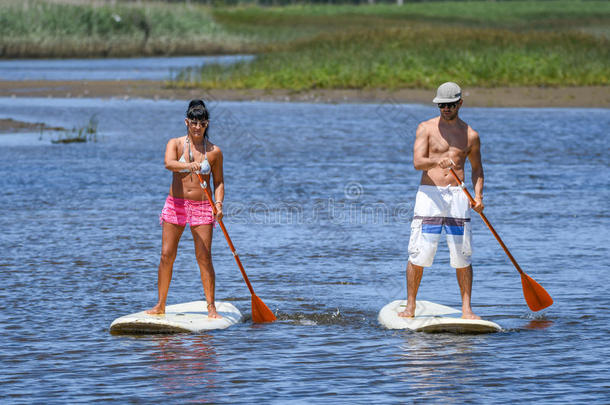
(484, 44)
(43, 29)
(418, 45)
(422, 57)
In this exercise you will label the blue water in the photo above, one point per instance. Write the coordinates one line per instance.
(318, 203)
(147, 68)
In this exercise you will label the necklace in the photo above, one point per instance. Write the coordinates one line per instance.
(188, 142)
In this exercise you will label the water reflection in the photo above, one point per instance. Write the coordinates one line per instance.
(187, 361)
(436, 362)
(539, 324)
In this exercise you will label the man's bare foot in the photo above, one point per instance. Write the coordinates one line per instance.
(409, 312)
(469, 315)
(157, 310)
(212, 312)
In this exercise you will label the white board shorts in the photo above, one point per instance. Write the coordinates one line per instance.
(438, 209)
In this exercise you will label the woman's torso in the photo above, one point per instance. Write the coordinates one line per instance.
(186, 184)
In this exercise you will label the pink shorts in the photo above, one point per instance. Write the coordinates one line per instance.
(180, 211)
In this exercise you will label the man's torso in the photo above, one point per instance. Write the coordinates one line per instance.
(446, 140)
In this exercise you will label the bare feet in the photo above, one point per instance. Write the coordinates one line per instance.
(212, 312)
(158, 309)
(469, 315)
(409, 312)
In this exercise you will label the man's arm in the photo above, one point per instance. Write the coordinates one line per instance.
(477, 169)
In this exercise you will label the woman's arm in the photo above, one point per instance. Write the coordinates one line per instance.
(172, 162)
(219, 183)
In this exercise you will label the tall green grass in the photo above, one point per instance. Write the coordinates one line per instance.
(553, 43)
(36, 28)
(421, 58)
(301, 20)
(479, 43)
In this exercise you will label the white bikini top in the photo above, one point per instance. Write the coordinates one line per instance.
(205, 165)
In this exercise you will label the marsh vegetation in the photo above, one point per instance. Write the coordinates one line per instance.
(417, 45)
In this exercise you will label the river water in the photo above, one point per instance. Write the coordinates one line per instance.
(318, 203)
(145, 68)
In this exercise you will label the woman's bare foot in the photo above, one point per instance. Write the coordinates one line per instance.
(409, 312)
(469, 315)
(212, 312)
(158, 309)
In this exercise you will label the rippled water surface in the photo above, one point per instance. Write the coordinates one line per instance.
(318, 203)
(149, 68)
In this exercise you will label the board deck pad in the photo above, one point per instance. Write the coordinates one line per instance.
(188, 317)
(432, 317)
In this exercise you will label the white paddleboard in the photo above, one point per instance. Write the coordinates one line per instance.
(431, 317)
(185, 317)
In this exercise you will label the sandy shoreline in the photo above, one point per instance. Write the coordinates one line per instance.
(8, 125)
(594, 96)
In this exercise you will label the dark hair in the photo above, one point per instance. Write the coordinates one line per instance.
(198, 111)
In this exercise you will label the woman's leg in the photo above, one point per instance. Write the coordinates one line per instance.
(202, 237)
(171, 237)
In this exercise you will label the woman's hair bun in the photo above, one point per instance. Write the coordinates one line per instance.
(194, 103)
(197, 110)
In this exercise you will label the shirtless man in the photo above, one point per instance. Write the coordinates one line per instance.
(441, 143)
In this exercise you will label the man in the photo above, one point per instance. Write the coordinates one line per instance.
(442, 143)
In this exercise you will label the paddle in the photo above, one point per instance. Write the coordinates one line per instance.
(536, 297)
(260, 312)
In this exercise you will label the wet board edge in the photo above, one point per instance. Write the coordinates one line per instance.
(142, 323)
(429, 318)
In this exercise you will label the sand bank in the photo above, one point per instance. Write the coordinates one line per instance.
(595, 96)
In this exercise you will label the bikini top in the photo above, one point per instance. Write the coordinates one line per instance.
(205, 165)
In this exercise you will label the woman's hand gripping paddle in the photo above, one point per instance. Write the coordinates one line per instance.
(536, 297)
(260, 312)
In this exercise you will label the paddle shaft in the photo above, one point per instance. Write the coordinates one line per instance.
(491, 228)
(224, 230)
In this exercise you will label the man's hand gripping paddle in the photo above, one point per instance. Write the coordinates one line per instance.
(536, 297)
(260, 312)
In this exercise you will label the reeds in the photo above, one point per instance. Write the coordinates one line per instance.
(82, 134)
(511, 43)
(35, 28)
(423, 57)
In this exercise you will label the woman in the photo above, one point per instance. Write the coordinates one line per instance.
(187, 156)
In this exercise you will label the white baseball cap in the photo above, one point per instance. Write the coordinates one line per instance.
(448, 93)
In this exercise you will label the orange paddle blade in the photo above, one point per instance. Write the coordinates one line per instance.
(260, 312)
(536, 297)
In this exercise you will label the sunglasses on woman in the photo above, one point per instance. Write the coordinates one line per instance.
(196, 123)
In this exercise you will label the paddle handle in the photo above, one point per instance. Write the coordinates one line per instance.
(224, 230)
(484, 218)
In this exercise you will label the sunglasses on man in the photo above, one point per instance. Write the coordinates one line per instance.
(448, 105)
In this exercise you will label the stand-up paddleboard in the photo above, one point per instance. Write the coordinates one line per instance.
(431, 317)
(185, 317)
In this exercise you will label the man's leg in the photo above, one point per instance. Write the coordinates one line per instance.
(414, 275)
(464, 277)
